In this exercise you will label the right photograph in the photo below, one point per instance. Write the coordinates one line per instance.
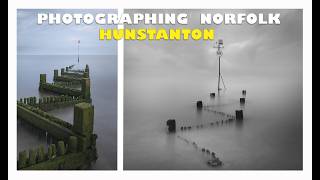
(233, 102)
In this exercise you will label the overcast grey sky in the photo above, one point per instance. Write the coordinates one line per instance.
(60, 39)
(272, 50)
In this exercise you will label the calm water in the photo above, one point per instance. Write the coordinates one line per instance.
(103, 74)
(270, 136)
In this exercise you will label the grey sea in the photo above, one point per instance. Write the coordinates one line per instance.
(103, 74)
(269, 137)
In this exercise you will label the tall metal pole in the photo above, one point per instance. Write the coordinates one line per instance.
(219, 46)
(78, 50)
(219, 76)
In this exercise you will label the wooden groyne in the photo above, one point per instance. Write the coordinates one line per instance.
(213, 161)
(76, 142)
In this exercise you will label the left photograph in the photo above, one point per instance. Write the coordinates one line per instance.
(66, 91)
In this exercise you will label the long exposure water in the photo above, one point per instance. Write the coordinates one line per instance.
(270, 136)
(103, 75)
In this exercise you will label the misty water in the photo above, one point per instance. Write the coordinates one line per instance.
(270, 136)
(103, 75)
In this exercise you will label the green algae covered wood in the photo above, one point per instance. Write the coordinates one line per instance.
(41, 154)
(61, 148)
(80, 150)
(73, 144)
(32, 157)
(23, 158)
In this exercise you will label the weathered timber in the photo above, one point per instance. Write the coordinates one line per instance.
(55, 88)
(58, 128)
(80, 160)
(58, 156)
(80, 151)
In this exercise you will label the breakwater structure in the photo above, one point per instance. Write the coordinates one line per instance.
(74, 145)
(69, 75)
(225, 119)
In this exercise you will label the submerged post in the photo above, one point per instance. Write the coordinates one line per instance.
(73, 144)
(85, 89)
(55, 74)
(87, 68)
(32, 157)
(22, 162)
(41, 154)
(171, 123)
(43, 80)
(61, 148)
(83, 123)
(239, 114)
(83, 118)
(199, 104)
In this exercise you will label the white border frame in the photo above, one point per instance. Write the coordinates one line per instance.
(306, 5)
